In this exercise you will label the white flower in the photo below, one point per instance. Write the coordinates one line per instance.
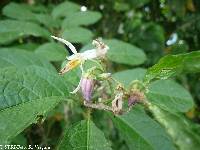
(76, 59)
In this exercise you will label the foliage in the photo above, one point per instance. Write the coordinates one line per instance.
(153, 59)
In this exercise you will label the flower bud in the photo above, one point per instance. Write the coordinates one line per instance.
(87, 86)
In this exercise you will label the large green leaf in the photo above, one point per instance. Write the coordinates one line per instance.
(28, 46)
(52, 51)
(25, 94)
(170, 96)
(64, 9)
(11, 30)
(179, 128)
(142, 132)
(77, 35)
(81, 18)
(122, 52)
(127, 76)
(29, 83)
(125, 53)
(20, 58)
(73, 76)
(172, 65)
(15, 119)
(84, 136)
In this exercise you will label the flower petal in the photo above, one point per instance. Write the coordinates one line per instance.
(77, 88)
(70, 65)
(89, 54)
(71, 47)
(74, 56)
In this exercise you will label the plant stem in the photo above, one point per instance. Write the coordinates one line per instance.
(99, 106)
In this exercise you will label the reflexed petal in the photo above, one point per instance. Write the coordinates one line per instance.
(77, 88)
(71, 47)
(79, 84)
(70, 65)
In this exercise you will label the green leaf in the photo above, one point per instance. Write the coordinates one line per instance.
(29, 83)
(81, 18)
(24, 12)
(15, 119)
(64, 9)
(170, 96)
(84, 136)
(20, 139)
(179, 128)
(25, 94)
(77, 35)
(173, 65)
(47, 20)
(142, 132)
(38, 8)
(17, 11)
(52, 51)
(28, 46)
(11, 30)
(20, 58)
(127, 76)
(122, 52)
(73, 76)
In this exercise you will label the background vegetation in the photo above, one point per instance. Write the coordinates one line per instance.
(36, 107)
